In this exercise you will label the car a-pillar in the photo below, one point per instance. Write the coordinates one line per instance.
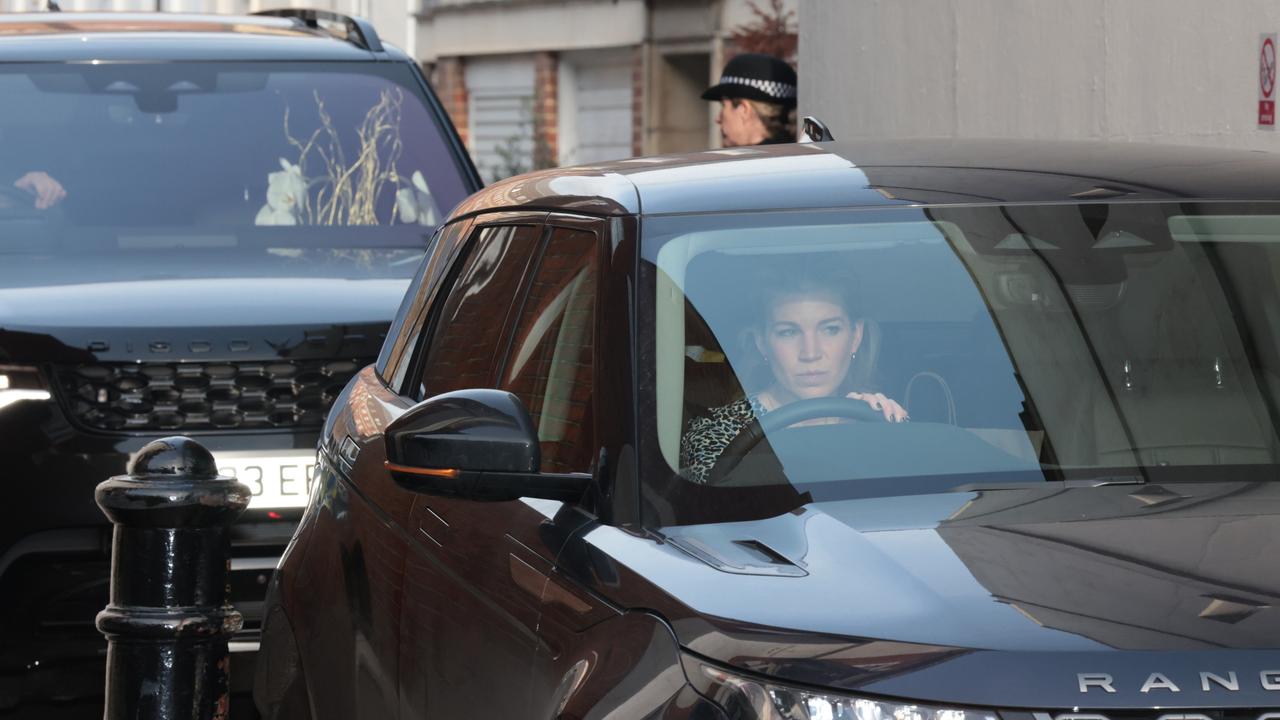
(168, 620)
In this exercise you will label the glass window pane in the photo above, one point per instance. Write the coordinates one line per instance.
(405, 329)
(332, 170)
(1127, 342)
(550, 365)
(461, 351)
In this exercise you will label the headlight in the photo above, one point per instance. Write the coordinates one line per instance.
(746, 698)
(20, 383)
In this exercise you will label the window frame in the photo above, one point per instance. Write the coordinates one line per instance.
(406, 330)
(577, 223)
(615, 488)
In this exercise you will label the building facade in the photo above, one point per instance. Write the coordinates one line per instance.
(537, 83)
(540, 83)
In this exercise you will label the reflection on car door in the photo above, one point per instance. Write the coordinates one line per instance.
(470, 610)
(551, 367)
(342, 575)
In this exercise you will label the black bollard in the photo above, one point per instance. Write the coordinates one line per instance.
(168, 621)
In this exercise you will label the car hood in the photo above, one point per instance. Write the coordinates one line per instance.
(208, 302)
(204, 318)
(987, 597)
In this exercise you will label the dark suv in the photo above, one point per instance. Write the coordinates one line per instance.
(206, 225)
(916, 431)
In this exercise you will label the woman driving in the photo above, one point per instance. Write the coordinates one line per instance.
(809, 339)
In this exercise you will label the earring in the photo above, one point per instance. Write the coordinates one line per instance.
(853, 355)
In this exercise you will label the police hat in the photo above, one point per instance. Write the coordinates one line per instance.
(755, 76)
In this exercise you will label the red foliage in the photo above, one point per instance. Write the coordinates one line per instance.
(773, 31)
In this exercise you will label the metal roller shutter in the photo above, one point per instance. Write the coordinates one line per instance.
(501, 114)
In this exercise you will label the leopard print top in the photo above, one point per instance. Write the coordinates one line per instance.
(707, 437)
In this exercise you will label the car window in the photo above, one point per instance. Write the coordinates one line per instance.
(407, 325)
(462, 349)
(336, 170)
(550, 364)
(1127, 342)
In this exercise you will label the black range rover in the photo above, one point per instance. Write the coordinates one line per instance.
(206, 225)
(837, 431)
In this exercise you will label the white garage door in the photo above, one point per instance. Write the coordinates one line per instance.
(595, 104)
(500, 114)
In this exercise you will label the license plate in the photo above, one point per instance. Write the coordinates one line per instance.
(278, 480)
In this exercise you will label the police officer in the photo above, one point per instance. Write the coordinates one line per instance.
(757, 95)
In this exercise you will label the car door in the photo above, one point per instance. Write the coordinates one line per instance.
(551, 365)
(470, 611)
(342, 579)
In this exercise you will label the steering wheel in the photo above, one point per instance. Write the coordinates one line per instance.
(790, 414)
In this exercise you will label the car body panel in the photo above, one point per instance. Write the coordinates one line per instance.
(122, 37)
(1022, 585)
(1007, 599)
(833, 175)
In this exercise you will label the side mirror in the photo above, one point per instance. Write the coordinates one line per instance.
(814, 130)
(474, 444)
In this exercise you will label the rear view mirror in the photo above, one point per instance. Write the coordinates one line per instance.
(476, 444)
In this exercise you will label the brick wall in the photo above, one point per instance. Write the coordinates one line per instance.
(546, 112)
(637, 100)
(448, 77)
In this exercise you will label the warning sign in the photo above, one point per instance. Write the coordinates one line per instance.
(1267, 82)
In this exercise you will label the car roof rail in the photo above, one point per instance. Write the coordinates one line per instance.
(360, 32)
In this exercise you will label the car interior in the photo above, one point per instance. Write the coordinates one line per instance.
(1071, 336)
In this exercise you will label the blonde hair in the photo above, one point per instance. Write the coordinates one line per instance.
(779, 121)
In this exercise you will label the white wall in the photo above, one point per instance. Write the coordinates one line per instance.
(1178, 71)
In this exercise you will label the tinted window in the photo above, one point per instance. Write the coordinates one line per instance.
(550, 366)
(461, 351)
(404, 329)
(331, 170)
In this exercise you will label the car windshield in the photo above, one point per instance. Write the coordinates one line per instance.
(196, 170)
(1083, 344)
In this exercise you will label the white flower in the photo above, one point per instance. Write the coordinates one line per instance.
(415, 203)
(286, 196)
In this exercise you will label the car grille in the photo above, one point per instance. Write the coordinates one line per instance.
(130, 397)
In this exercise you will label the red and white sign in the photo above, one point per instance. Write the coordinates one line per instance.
(1267, 82)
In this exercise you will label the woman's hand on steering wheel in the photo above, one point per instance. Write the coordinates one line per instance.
(794, 413)
(893, 412)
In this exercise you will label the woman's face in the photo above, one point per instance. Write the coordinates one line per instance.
(809, 341)
(739, 124)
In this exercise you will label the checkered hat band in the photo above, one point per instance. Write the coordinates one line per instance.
(772, 88)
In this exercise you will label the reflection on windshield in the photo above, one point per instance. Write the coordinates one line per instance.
(907, 351)
(117, 164)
